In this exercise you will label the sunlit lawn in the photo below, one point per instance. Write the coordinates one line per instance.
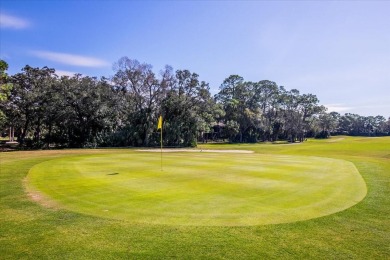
(110, 204)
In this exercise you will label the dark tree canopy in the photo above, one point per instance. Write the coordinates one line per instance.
(47, 110)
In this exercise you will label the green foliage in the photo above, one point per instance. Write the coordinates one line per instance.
(323, 135)
(80, 111)
(5, 86)
(354, 124)
(265, 111)
(232, 129)
(184, 102)
(5, 90)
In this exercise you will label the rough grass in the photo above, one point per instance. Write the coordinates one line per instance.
(31, 231)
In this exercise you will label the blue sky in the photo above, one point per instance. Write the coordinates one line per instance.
(339, 51)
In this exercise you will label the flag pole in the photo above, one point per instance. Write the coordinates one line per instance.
(161, 144)
(159, 126)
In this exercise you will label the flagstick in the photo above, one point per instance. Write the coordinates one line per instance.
(161, 148)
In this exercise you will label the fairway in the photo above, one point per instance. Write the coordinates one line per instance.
(118, 204)
(198, 189)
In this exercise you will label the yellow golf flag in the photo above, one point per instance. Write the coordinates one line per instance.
(159, 125)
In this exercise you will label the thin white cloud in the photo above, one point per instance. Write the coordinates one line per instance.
(337, 108)
(71, 59)
(13, 22)
(65, 73)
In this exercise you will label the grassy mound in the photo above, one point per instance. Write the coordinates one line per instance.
(199, 188)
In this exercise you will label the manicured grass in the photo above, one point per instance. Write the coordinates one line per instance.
(199, 188)
(29, 230)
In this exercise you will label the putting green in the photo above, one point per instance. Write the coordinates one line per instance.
(199, 188)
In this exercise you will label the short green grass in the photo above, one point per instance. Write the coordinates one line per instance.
(29, 230)
(199, 188)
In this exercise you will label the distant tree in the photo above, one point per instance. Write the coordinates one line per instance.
(309, 108)
(328, 123)
(189, 110)
(291, 118)
(232, 129)
(387, 126)
(379, 126)
(145, 93)
(28, 100)
(266, 96)
(237, 99)
(5, 90)
(354, 124)
(82, 111)
(88, 110)
(262, 110)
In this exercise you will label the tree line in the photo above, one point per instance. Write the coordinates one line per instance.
(46, 110)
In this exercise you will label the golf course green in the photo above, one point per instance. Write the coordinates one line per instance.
(321, 199)
(199, 188)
